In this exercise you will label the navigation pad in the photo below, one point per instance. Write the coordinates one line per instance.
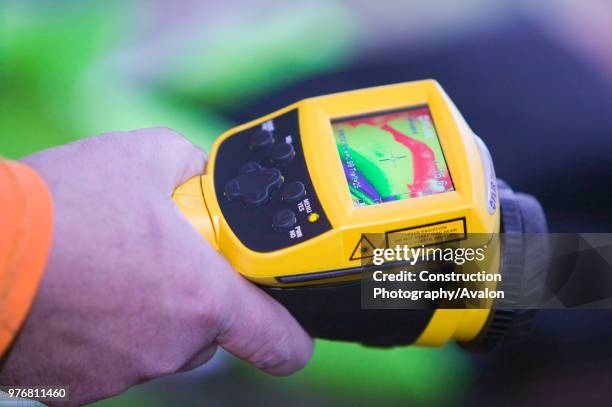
(264, 189)
(254, 184)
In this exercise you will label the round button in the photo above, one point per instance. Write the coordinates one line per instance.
(260, 140)
(273, 177)
(232, 189)
(284, 220)
(249, 168)
(282, 153)
(256, 198)
(293, 192)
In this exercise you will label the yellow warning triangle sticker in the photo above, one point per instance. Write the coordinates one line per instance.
(364, 249)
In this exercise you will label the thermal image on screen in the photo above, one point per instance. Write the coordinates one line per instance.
(390, 156)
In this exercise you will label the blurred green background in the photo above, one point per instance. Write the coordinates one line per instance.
(71, 69)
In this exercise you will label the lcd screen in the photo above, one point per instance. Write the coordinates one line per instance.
(393, 155)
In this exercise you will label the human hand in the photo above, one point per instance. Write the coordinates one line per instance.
(131, 291)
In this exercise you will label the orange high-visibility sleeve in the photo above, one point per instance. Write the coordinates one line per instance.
(25, 239)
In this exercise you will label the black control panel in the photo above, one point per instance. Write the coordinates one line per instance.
(264, 189)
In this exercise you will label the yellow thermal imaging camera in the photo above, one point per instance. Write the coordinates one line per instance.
(289, 197)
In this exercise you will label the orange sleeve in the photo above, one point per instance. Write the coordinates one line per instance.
(25, 238)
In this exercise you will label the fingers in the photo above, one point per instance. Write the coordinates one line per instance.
(181, 158)
(199, 358)
(174, 158)
(159, 157)
(194, 164)
(261, 331)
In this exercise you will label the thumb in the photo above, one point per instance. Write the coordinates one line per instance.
(263, 332)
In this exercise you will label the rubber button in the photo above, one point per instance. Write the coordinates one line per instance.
(284, 220)
(255, 198)
(275, 178)
(254, 184)
(293, 192)
(260, 140)
(282, 153)
(249, 168)
(232, 189)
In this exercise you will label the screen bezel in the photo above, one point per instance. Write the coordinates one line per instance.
(456, 139)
